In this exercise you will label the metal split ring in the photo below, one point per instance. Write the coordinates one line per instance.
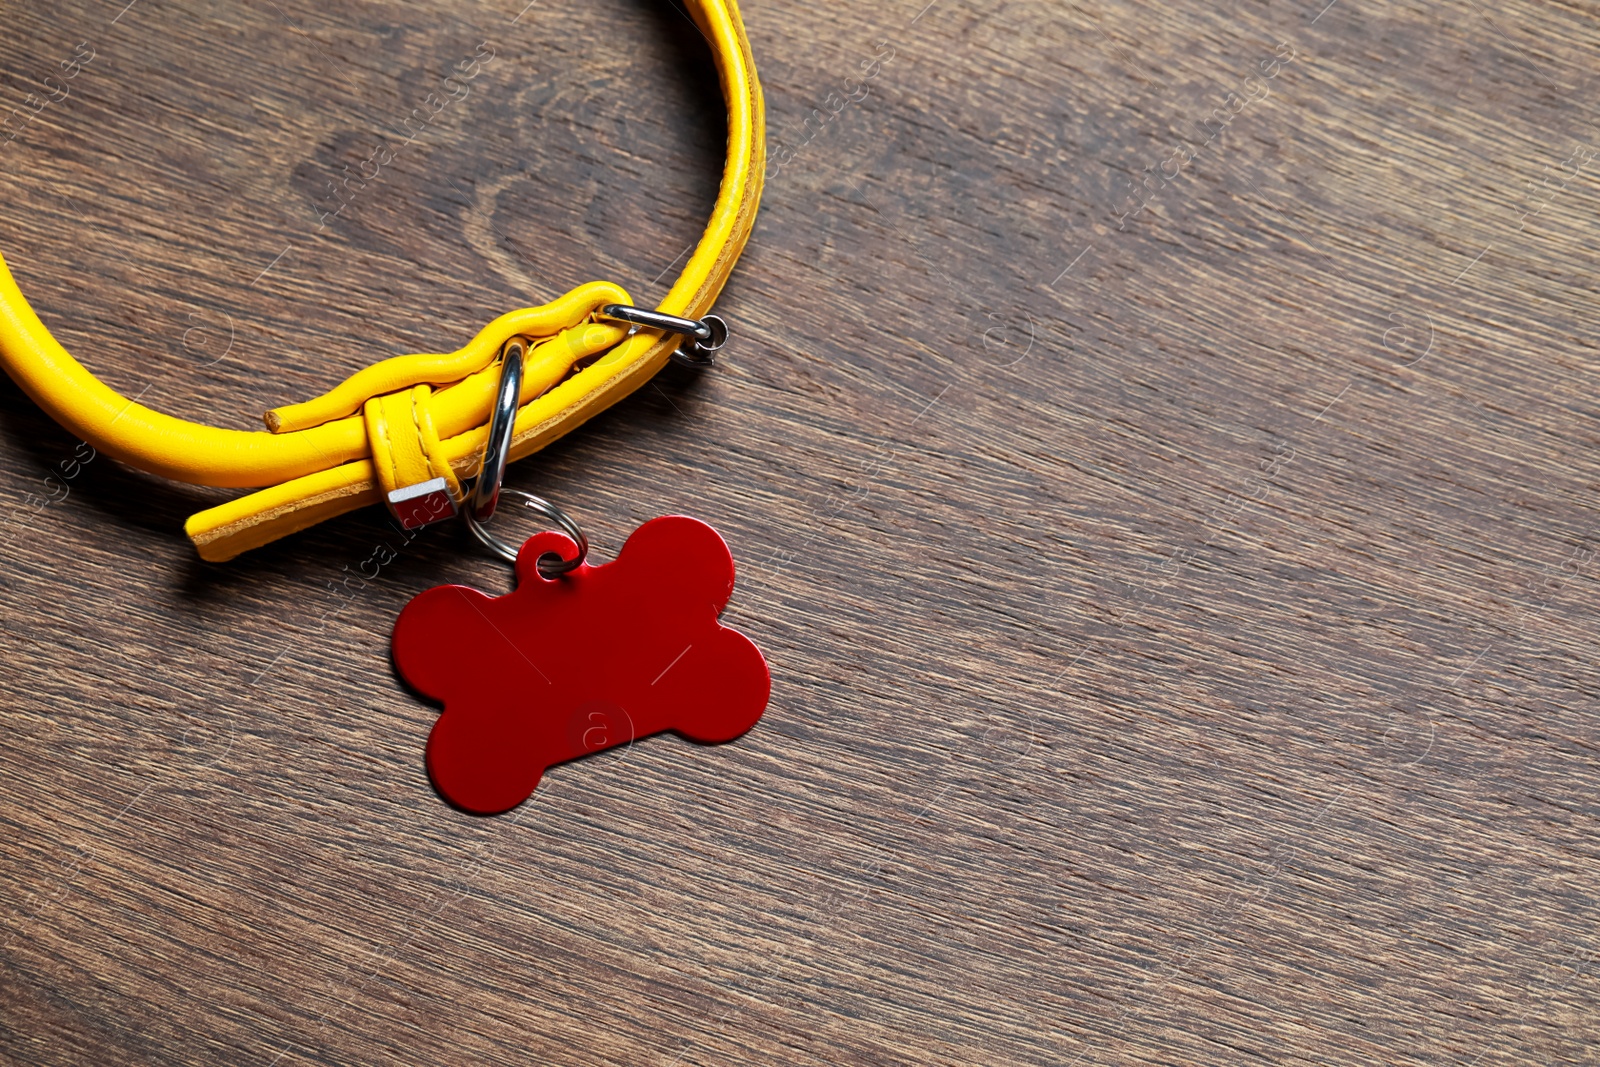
(707, 335)
(486, 491)
(550, 565)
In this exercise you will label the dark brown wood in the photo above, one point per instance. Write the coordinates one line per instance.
(1180, 608)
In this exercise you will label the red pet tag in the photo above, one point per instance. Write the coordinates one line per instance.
(587, 661)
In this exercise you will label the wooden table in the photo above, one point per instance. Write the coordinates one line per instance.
(1169, 516)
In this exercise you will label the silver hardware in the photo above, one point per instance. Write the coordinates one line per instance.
(543, 507)
(486, 491)
(707, 335)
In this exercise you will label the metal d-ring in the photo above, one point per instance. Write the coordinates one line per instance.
(487, 490)
(497, 449)
(706, 335)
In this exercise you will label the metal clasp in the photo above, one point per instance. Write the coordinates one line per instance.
(707, 335)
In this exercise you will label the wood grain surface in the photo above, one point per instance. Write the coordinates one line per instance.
(1169, 516)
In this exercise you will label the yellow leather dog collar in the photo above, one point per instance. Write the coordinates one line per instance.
(410, 419)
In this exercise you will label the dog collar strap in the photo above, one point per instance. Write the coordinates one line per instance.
(418, 419)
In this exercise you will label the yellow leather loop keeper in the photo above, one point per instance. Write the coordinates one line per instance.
(428, 435)
(400, 451)
(321, 462)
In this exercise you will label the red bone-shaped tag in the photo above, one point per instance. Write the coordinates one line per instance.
(563, 667)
